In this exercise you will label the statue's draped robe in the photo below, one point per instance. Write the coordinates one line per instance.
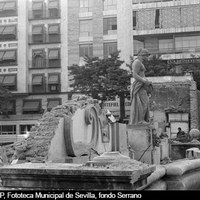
(139, 98)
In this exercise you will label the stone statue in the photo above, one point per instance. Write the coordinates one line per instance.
(141, 87)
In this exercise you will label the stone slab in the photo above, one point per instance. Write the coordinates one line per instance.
(73, 176)
(158, 174)
(188, 181)
(181, 167)
(140, 140)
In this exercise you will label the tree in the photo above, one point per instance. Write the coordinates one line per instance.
(5, 97)
(101, 78)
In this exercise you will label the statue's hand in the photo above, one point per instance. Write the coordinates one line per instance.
(147, 82)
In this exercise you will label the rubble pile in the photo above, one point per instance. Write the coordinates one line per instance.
(35, 147)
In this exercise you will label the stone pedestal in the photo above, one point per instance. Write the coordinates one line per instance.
(140, 140)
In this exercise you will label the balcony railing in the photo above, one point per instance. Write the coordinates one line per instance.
(171, 50)
(44, 38)
(8, 63)
(44, 14)
(43, 89)
(44, 63)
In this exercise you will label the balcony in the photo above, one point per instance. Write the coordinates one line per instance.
(171, 50)
(44, 63)
(44, 39)
(44, 14)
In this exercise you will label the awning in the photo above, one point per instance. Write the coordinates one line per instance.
(10, 6)
(1, 55)
(1, 29)
(37, 5)
(54, 54)
(53, 4)
(37, 80)
(9, 80)
(53, 79)
(53, 29)
(52, 103)
(37, 30)
(9, 55)
(31, 106)
(9, 30)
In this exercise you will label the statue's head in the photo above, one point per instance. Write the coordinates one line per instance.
(143, 54)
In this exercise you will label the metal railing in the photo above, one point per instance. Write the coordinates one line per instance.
(44, 38)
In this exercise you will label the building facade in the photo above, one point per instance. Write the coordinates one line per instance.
(33, 39)
(39, 39)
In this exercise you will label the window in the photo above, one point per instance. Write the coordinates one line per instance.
(53, 103)
(37, 7)
(187, 43)
(53, 7)
(9, 81)
(86, 50)
(38, 83)
(134, 20)
(110, 26)
(85, 28)
(38, 34)
(85, 5)
(54, 33)
(110, 4)
(38, 58)
(109, 48)
(54, 58)
(24, 129)
(157, 19)
(32, 106)
(8, 58)
(8, 32)
(165, 45)
(9, 108)
(8, 8)
(8, 130)
(54, 82)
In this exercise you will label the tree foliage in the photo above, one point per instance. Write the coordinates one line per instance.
(100, 76)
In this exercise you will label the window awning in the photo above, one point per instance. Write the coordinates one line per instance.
(10, 6)
(54, 54)
(53, 79)
(53, 29)
(1, 55)
(37, 30)
(31, 106)
(9, 30)
(9, 80)
(52, 103)
(9, 55)
(1, 29)
(37, 80)
(37, 5)
(53, 4)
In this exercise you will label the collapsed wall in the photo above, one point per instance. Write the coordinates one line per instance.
(35, 148)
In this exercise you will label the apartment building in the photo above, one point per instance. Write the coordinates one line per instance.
(169, 28)
(33, 39)
(39, 39)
